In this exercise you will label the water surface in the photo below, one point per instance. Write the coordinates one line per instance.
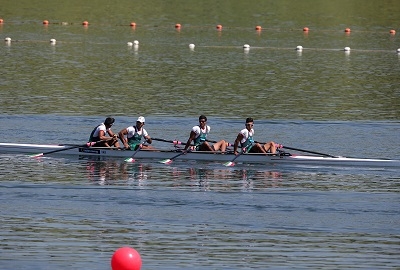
(60, 212)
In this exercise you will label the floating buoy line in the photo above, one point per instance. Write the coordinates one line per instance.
(179, 26)
(246, 47)
(219, 27)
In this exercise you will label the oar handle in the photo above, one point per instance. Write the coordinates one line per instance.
(168, 141)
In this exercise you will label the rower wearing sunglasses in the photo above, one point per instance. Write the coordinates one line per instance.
(198, 135)
(245, 138)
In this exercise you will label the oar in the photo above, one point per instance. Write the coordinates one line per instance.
(169, 141)
(232, 163)
(131, 159)
(300, 150)
(305, 151)
(64, 149)
(169, 160)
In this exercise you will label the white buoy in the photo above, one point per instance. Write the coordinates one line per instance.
(130, 44)
(346, 49)
(7, 39)
(246, 46)
(191, 46)
(53, 41)
(136, 42)
(299, 48)
(398, 50)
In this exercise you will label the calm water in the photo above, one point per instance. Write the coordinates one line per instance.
(68, 213)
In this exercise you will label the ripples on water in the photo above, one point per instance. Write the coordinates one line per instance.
(271, 81)
(207, 215)
(63, 213)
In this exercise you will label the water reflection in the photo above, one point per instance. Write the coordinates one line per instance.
(113, 172)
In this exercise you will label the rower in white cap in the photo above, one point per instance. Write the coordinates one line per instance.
(132, 136)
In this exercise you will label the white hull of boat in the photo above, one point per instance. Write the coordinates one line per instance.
(32, 149)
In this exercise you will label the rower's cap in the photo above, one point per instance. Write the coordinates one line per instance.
(140, 119)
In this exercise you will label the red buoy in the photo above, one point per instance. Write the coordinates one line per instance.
(126, 258)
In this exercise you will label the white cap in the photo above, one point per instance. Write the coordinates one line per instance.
(140, 119)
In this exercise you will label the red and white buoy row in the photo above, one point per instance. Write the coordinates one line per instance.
(218, 27)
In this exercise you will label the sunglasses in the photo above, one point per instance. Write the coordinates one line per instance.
(202, 121)
(249, 125)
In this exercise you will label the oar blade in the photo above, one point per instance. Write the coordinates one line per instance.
(37, 155)
(229, 164)
(130, 160)
(166, 161)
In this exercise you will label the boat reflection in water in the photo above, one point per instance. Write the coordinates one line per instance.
(191, 175)
(112, 172)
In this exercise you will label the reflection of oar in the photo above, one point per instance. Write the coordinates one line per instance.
(64, 149)
(131, 159)
(169, 160)
(169, 141)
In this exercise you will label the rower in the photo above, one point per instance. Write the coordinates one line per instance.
(198, 135)
(131, 136)
(98, 134)
(245, 138)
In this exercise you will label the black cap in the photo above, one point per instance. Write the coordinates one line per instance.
(202, 117)
(109, 121)
(249, 119)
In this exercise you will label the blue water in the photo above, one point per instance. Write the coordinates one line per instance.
(61, 212)
(64, 225)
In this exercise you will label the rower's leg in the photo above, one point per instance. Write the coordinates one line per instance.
(224, 145)
(270, 146)
(257, 148)
(116, 144)
(221, 145)
(205, 147)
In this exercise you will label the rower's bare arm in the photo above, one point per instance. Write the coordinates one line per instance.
(122, 137)
(192, 136)
(103, 137)
(237, 141)
(148, 139)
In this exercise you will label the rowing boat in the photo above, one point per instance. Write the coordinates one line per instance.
(281, 158)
